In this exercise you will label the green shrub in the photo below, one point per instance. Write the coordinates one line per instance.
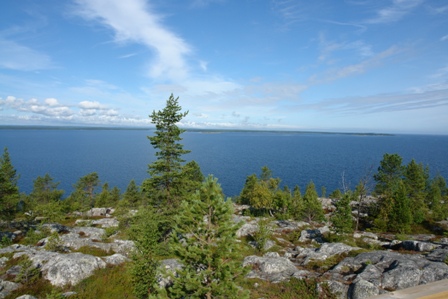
(263, 234)
(110, 282)
(5, 242)
(28, 273)
(34, 236)
(54, 243)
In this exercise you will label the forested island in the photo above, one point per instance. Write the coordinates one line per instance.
(177, 236)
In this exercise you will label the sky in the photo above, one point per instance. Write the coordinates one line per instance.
(377, 66)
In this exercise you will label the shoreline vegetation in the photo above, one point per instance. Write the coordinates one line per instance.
(205, 131)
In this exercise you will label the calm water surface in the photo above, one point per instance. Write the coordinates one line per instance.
(121, 155)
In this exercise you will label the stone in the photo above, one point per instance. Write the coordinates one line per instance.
(438, 255)
(106, 222)
(26, 297)
(70, 269)
(115, 259)
(337, 288)
(270, 267)
(418, 246)
(248, 228)
(313, 234)
(6, 287)
(322, 253)
(362, 289)
(100, 212)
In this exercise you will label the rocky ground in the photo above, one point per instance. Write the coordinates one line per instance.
(380, 264)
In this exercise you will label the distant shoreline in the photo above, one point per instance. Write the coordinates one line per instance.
(205, 131)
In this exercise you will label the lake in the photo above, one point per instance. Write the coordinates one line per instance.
(120, 155)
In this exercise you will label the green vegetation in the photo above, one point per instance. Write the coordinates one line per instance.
(204, 240)
(9, 191)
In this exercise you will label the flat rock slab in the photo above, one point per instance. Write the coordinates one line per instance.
(434, 290)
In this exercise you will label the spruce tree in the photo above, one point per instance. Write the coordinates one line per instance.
(165, 184)
(416, 180)
(389, 173)
(9, 191)
(132, 197)
(248, 189)
(204, 240)
(400, 218)
(45, 199)
(342, 217)
(312, 208)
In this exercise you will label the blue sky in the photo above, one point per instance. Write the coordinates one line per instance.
(348, 66)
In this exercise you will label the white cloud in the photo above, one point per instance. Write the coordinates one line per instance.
(396, 11)
(91, 105)
(444, 38)
(51, 102)
(133, 21)
(50, 107)
(18, 57)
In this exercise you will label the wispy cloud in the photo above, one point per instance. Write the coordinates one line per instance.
(15, 56)
(357, 68)
(439, 9)
(382, 103)
(133, 21)
(394, 12)
(328, 47)
(290, 11)
(204, 3)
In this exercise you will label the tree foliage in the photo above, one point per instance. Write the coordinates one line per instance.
(9, 191)
(312, 208)
(204, 240)
(145, 233)
(165, 184)
(342, 218)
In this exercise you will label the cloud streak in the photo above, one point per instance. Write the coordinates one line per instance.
(15, 56)
(133, 21)
(394, 12)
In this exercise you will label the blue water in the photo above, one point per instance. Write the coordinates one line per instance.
(121, 155)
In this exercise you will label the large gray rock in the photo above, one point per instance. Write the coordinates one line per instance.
(362, 289)
(100, 212)
(337, 288)
(6, 287)
(286, 226)
(92, 237)
(418, 246)
(249, 227)
(270, 267)
(389, 271)
(313, 234)
(106, 222)
(63, 269)
(322, 253)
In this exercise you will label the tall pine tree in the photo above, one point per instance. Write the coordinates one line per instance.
(165, 184)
